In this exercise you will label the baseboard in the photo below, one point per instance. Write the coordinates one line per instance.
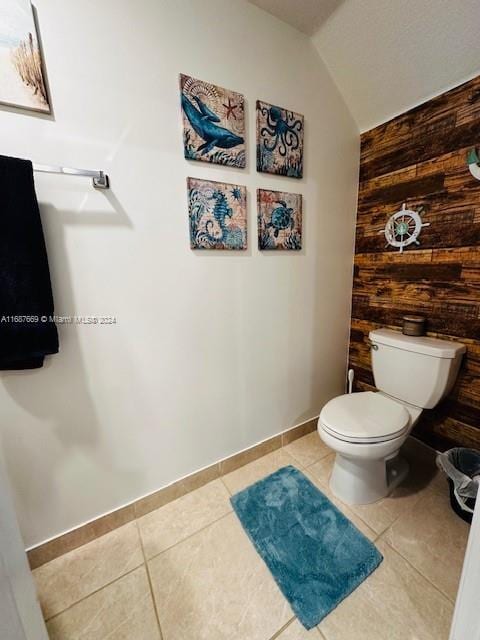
(70, 540)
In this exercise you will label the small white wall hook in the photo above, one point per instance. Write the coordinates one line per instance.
(473, 162)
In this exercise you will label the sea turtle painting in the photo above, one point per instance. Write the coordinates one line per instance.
(282, 218)
(279, 220)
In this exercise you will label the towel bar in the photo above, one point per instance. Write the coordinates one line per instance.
(99, 178)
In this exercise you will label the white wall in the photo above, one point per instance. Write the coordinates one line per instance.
(20, 614)
(388, 56)
(212, 352)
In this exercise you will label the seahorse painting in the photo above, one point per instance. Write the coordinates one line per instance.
(213, 123)
(279, 140)
(217, 214)
(279, 220)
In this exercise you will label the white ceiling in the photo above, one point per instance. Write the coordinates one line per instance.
(304, 15)
(387, 56)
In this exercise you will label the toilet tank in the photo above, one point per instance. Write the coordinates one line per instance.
(417, 370)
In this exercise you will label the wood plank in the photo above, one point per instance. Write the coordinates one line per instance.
(461, 193)
(420, 158)
(387, 179)
(455, 298)
(402, 190)
(464, 255)
(440, 235)
(442, 318)
(471, 110)
(440, 114)
(440, 282)
(443, 433)
(419, 272)
(414, 255)
(426, 147)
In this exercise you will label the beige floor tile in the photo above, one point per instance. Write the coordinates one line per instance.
(394, 603)
(422, 479)
(214, 586)
(432, 538)
(382, 514)
(258, 469)
(66, 580)
(308, 449)
(347, 512)
(323, 468)
(177, 520)
(296, 631)
(122, 611)
(78, 537)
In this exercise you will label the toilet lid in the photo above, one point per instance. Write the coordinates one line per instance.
(364, 417)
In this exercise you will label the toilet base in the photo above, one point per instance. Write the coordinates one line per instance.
(363, 481)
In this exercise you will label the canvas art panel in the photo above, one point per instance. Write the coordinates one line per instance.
(279, 220)
(217, 214)
(213, 123)
(279, 141)
(22, 77)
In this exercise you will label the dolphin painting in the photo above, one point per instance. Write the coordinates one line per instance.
(203, 123)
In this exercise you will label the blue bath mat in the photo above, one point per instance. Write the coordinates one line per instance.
(316, 555)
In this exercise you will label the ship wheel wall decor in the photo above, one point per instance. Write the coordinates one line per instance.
(403, 228)
(473, 162)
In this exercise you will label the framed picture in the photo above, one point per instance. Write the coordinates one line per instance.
(217, 214)
(213, 123)
(279, 220)
(21, 65)
(279, 141)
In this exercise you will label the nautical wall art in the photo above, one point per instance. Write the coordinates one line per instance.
(473, 162)
(403, 228)
(279, 220)
(213, 123)
(21, 66)
(279, 141)
(217, 214)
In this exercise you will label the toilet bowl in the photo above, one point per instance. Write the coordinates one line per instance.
(367, 429)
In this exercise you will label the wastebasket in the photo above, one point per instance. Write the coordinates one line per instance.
(462, 467)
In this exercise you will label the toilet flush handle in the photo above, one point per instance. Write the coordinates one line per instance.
(372, 345)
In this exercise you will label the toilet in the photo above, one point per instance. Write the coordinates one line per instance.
(367, 429)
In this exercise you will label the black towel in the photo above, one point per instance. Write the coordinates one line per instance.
(27, 328)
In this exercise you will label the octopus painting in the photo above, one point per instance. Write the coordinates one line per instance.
(279, 220)
(213, 123)
(279, 141)
(217, 214)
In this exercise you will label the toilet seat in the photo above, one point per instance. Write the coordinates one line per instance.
(365, 418)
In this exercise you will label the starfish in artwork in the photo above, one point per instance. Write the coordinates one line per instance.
(230, 109)
(236, 193)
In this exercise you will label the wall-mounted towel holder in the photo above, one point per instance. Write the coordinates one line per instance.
(99, 178)
(473, 162)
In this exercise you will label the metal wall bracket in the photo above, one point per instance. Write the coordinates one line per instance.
(102, 182)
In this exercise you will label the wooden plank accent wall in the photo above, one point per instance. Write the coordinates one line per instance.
(420, 158)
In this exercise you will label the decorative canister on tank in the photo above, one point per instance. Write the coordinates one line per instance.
(413, 326)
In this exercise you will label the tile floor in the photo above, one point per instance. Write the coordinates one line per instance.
(187, 571)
